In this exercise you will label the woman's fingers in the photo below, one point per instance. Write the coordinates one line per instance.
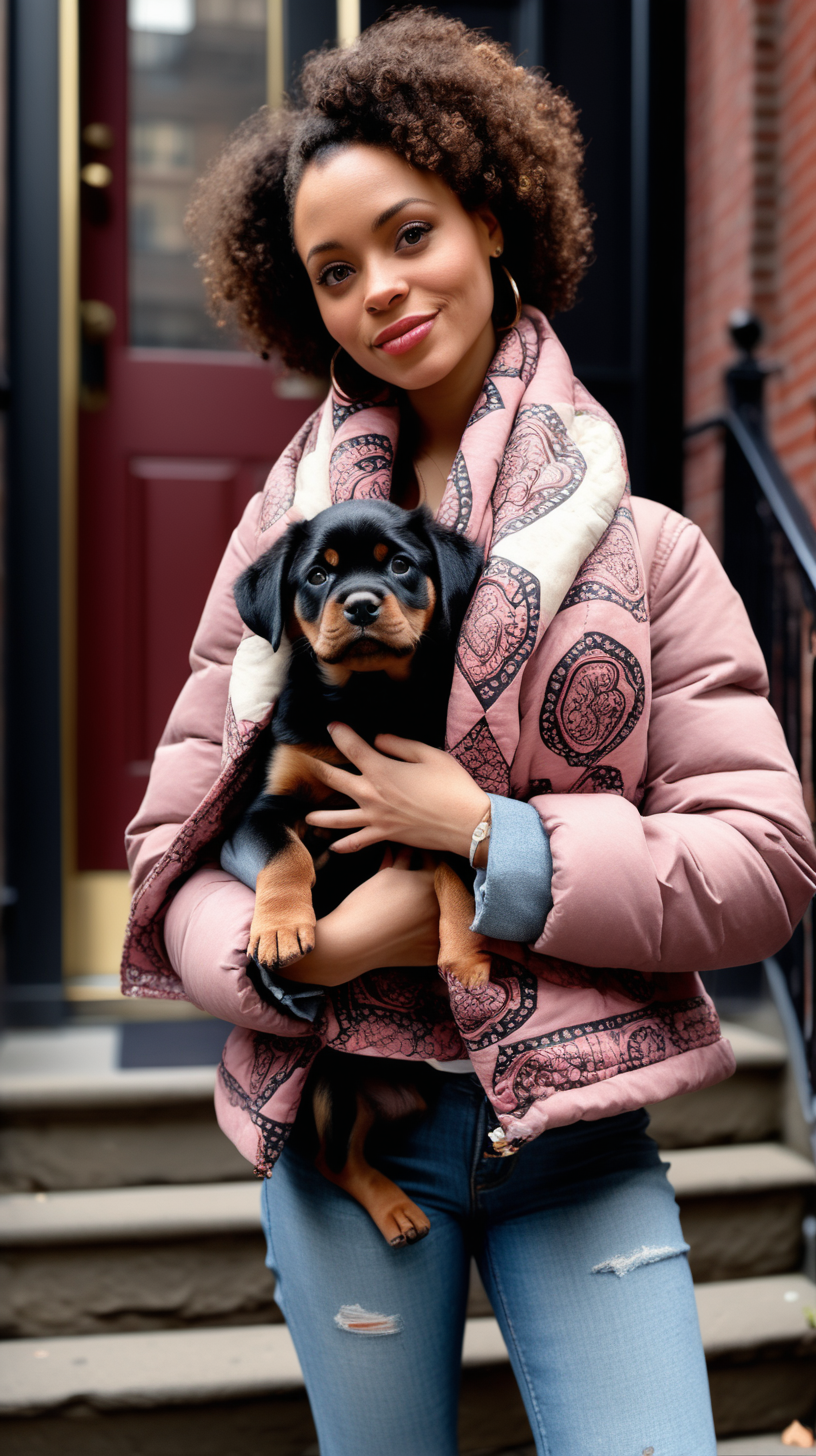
(351, 745)
(338, 819)
(335, 778)
(408, 749)
(353, 842)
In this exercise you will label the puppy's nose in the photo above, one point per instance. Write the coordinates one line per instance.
(361, 608)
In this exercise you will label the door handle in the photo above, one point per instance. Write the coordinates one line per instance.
(97, 323)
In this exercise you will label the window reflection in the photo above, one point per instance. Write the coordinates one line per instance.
(197, 68)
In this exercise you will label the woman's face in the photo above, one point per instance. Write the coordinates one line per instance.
(400, 270)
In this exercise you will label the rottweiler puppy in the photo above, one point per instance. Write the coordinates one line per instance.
(372, 599)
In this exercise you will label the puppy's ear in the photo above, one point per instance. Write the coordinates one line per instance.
(458, 564)
(261, 592)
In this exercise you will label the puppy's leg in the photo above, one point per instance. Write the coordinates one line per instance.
(398, 1218)
(283, 925)
(462, 953)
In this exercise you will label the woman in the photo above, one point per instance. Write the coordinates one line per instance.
(644, 813)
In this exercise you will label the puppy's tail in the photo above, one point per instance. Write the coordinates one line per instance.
(335, 1112)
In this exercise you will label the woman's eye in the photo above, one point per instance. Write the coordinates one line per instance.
(317, 576)
(335, 273)
(400, 565)
(414, 233)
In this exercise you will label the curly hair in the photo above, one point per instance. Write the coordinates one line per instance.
(450, 101)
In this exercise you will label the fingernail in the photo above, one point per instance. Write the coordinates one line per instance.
(331, 727)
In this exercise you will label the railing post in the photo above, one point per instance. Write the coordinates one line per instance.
(745, 534)
(745, 380)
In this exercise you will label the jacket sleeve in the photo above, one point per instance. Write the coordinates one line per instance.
(718, 866)
(188, 759)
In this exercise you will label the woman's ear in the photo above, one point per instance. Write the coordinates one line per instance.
(261, 592)
(491, 229)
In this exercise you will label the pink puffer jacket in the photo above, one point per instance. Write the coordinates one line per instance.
(714, 868)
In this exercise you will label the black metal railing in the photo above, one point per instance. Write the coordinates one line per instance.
(769, 552)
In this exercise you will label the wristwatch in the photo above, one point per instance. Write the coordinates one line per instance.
(480, 834)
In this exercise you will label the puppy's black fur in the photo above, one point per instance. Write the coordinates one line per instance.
(274, 592)
(372, 598)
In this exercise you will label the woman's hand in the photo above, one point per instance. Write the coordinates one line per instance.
(407, 793)
(390, 920)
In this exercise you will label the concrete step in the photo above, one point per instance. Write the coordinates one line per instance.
(741, 1207)
(126, 1259)
(133, 1259)
(107, 1129)
(768, 1445)
(111, 1129)
(759, 1344)
(171, 1256)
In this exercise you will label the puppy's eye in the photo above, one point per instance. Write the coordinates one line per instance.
(400, 565)
(317, 576)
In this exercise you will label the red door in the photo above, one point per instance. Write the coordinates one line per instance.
(177, 430)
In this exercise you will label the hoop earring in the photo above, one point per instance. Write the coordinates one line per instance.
(505, 328)
(342, 389)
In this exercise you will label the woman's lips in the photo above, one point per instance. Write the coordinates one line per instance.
(408, 337)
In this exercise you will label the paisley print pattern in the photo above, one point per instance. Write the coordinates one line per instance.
(593, 700)
(491, 1013)
(604, 780)
(480, 754)
(611, 572)
(279, 491)
(457, 502)
(500, 628)
(488, 400)
(394, 1015)
(362, 467)
(513, 360)
(576, 1056)
(344, 411)
(542, 468)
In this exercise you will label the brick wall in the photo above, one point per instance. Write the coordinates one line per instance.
(751, 239)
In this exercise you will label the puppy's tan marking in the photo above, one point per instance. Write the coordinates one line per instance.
(290, 770)
(335, 674)
(399, 1220)
(462, 953)
(331, 556)
(283, 926)
(380, 551)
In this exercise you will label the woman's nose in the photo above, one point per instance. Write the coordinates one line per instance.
(384, 292)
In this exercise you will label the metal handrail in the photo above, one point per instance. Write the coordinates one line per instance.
(770, 554)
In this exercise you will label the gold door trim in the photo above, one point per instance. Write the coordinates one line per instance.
(348, 21)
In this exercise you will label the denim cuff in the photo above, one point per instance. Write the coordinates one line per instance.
(300, 998)
(514, 894)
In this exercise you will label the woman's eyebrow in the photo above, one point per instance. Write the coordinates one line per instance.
(390, 212)
(322, 248)
(378, 222)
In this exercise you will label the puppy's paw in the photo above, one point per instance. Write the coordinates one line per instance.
(280, 942)
(471, 970)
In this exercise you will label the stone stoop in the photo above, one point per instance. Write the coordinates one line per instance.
(174, 1256)
(112, 1129)
(760, 1347)
(139, 1315)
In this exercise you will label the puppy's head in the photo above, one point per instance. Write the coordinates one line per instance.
(362, 582)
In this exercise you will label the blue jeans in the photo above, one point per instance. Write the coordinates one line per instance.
(578, 1242)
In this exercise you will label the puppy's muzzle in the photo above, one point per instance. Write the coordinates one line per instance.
(361, 608)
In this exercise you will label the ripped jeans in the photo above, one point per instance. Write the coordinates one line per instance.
(578, 1242)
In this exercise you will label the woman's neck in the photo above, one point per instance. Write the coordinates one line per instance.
(441, 412)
